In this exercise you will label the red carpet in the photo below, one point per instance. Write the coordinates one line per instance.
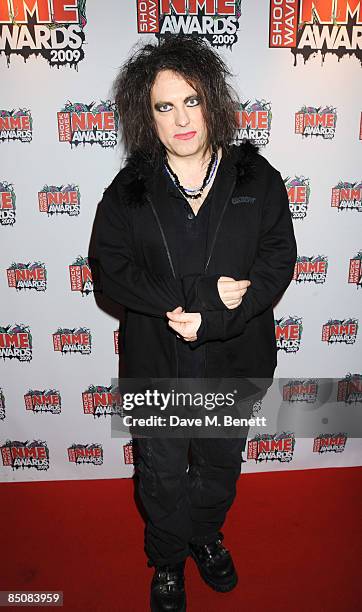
(295, 538)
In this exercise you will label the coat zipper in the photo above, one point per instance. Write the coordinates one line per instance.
(172, 269)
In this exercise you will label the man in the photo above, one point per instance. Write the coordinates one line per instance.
(194, 238)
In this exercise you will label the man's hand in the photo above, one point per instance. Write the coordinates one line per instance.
(231, 291)
(185, 324)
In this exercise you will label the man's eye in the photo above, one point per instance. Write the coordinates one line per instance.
(193, 102)
(164, 108)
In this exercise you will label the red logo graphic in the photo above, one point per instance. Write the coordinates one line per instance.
(7, 203)
(288, 333)
(311, 269)
(50, 28)
(300, 391)
(312, 121)
(327, 443)
(355, 270)
(308, 27)
(77, 340)
(350, 389)
(347, 196)
(340, 330)
(254, 122)
(88, 124)
(16, 342)
(128, 453)
(298, 190)
(86, 453)
(43, 401)
(27, 276)
(272, 447)
(25, 454)
(60, 200)
(16, 125)
(81, 276)
(100, 401)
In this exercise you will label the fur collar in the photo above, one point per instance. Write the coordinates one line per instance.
(131, 181)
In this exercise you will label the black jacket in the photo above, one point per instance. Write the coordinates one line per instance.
(250, 236)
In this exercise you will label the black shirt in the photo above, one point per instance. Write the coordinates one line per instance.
(190, 235)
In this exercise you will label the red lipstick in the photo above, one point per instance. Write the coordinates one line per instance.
(185, 136)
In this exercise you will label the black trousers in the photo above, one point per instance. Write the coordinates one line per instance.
(185, 503)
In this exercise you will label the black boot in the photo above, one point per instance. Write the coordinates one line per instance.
(168, 588)
(215, 565)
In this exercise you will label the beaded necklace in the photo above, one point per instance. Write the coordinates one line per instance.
(194, 193)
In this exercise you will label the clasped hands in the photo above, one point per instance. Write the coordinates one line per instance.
(186, 324)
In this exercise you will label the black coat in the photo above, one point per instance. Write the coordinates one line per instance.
(250, 236)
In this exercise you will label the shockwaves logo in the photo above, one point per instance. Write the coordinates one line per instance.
(86, 453)
(298, 190)
(254, 122)
(300, 391)
(88, 124)
(77, 340)
(128, 453)
(350, 389)
(328, 443)
(60, 200)
(25, 454)
(7, 203)
(81, 276)
(311, 269)
(340, 330)
(100, 401)
(308, 27)
(16, 125)
(272, 447)
(347, 196)
(43, 401)
(215, 20)
(27, 276)
(355, 270)
(313, 121)
(2, 405)
(288, 333)
(50, 28)
(116, 342)
(16, 342)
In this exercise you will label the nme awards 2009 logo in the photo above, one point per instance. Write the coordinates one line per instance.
(313, 121)
(27, 276)
(88, 124)
(298, 190)
(347, 196)
(355, 270)
(254, 122)
(53, 29)
(310, 269)
(308, 27)
(327, 443)
(59, 200)
(86, 453)
(300, 391)
(73, 341)
(7, 203)
(16, 342)
(350, 389)
(337, 331)
(16, 125)
(288, 333)
(215, 20)
(102, 401)
(272, 447)
(81, 276)
(25, 454)
(43, 401)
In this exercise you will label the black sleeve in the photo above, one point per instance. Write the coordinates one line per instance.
(125, 282)
(270, 273)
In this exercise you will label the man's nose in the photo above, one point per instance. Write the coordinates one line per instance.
(181, 117)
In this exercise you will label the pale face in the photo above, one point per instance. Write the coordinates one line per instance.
(178, 116)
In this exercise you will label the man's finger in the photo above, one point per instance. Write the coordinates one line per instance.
(183, 317)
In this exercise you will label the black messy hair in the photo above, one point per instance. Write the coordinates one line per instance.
(201, 66)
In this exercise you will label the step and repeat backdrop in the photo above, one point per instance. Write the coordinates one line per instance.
(297, 71)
